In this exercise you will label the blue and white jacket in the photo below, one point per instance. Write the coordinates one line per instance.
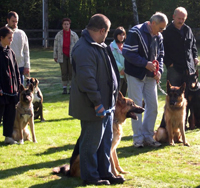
(136, 51)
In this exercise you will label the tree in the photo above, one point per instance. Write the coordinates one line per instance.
(135, 13)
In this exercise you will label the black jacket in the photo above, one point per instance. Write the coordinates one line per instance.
(180, 49)
(7, 56)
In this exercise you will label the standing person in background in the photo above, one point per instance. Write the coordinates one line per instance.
(181, 55)
(116, 47)
(9, 84)
(19, 45)
(63, 44)
(94, 90)
(144, 43)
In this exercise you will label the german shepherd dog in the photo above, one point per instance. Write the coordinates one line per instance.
(193, 101)
(125, 108)
(37, 98)
(24, 116)
(174, 115)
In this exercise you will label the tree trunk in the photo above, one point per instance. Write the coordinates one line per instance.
(135, 13)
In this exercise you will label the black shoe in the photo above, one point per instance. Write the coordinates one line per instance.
(64, 91)
(96, 182)
(114, 180)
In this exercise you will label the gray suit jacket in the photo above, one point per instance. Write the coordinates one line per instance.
(91, 80)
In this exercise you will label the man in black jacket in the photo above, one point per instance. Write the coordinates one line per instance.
(181, 56)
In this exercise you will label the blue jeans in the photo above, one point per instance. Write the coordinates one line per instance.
(143, 89)
(94, 148)
(21, 71)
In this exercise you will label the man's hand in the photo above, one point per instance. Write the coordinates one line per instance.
(1, 93)
(196, 61)
(150, 66)
(122, 72)
(56, 59)
(99, 109)
(26, 71)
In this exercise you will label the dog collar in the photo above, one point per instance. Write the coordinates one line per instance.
(195, 89)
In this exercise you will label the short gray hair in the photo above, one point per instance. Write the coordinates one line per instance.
(180, 9)
(159, 17)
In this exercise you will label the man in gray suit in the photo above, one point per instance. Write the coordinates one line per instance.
(94, 91)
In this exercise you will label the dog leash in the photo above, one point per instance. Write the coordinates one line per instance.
(8, 94)
(156, 64)
(105, 112)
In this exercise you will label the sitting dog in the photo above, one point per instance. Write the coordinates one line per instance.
(37, 98)
(193, 99)
(24, 116)
(125, 108)
(174, 115)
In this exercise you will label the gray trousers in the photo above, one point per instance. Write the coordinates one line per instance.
(143, 89)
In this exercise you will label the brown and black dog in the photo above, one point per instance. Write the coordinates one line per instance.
(37, 98)
(174, 115)
(24, 116)
(125, 108)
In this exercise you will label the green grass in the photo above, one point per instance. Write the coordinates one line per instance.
(30, 165)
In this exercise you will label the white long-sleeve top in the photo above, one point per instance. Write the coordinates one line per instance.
(20, 46)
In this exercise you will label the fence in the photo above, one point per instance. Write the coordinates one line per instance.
(35, 36)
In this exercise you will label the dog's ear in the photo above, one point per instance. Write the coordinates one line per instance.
(120, 95)
(182, 88)
(31, 87)
(120, 98)
(21, 88)
(36, 82)
(168, 86)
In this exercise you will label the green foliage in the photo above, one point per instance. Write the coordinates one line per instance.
(120, 12)
(30, 165)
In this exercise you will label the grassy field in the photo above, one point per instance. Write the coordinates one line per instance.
(30, 165)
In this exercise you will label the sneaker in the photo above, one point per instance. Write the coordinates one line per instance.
(114, 180)
(9, 140)
(96, 182)
(152, 143)
(64, 91)
(138, 145)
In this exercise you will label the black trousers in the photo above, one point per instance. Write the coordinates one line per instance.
(7, 111)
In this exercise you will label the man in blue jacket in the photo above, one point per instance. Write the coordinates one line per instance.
(144, 43)
(94, 90)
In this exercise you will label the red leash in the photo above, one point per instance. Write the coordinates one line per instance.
(156, 64)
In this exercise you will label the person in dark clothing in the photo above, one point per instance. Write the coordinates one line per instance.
(94, 92)
(9, 84)
(181, 56)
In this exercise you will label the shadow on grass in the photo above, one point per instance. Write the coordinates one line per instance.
(63, 182)
(57, 149)
(53, 120)
(22, 169)
(131, 150)
(51, 164)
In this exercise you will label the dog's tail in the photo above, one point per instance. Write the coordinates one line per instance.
(65, 170)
